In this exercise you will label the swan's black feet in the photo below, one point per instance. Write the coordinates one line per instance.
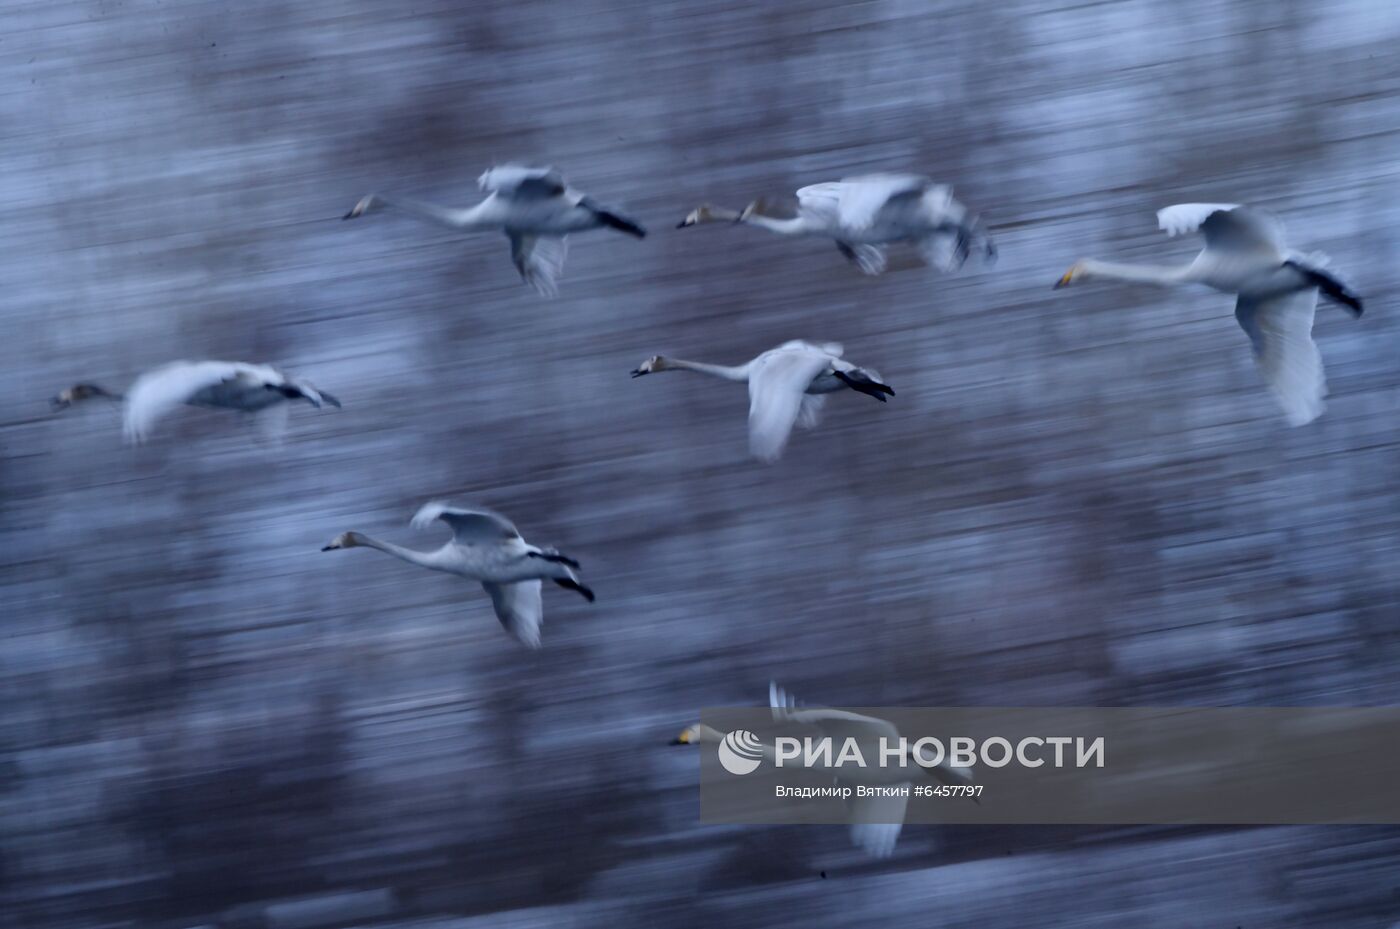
(622, 224)
(865, 385)
(569, 584)
(614, 220)
(550, 554)
(1332, 287)
(962, 247)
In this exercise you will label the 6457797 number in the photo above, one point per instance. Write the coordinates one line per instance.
(948, 790)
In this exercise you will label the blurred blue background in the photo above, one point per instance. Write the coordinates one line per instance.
(1084, 497)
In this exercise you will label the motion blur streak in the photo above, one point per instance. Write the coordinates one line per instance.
(1079, 497)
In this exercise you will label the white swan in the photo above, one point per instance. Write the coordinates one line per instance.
(870, 211)
(486, 547)
(785, 387)
(230, 385)
(1277, 289)
(536, 210)
(876, 821)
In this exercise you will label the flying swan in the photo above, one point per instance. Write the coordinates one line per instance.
(1277, 293)
(534, 207)
(864, 214)
(229, 385)
(786, 385)
(486, 547)
(875, 820)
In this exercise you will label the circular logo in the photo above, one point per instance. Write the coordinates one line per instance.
(740, 752)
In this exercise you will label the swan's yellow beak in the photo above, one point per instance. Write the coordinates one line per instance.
(683, 739)
(1065, 279)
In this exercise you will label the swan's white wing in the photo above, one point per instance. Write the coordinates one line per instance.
(777, 383)
(940, 251)
(863, 197)
(470, 526)
(835, 349)
(540, 260)
(938, 201)
(838, 724)
(520, 608)
(1226, 226)
(520, 181)
(1187, 217)
(876, 822)
(780, 701)
(867, 731)
(821, 201)
(157, 392)
(811, 412)
(1281, 330)
(869, 258)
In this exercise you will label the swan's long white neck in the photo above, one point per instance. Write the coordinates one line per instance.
(736, 373)
(470, 218)
(798, 225)
(1141, 274)
(432, 560)
(102, 393)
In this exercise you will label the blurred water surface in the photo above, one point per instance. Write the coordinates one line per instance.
(1082, 497)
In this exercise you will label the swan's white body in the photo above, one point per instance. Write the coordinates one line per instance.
(228, 385)
(1277, 293)
(864, 213)
(534, 207)
(786, 385)
(876, 821)
(487, 548)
